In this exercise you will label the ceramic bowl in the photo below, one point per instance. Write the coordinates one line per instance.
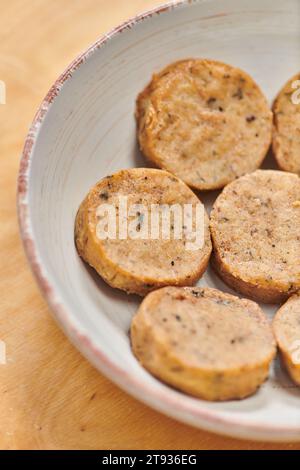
(85, 130)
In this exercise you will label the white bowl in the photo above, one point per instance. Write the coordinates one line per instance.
(85, 129)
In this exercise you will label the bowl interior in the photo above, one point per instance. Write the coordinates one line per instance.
(89, 132)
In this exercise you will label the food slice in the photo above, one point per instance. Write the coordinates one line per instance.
(286, 326)
(255, 227)
(146, 260)
(286, 130)
(204, 121)
(204, 342)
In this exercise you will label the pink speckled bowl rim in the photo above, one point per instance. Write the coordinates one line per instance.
(161, 401)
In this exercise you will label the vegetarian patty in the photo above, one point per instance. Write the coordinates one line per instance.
(204, 342)
(139, 262)
(286, 131)
(286, 325)
(255, 227)
(204, 121)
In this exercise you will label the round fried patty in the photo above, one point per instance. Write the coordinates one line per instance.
(140, 262)
(286, 131)
(204, 121)
(204, 342)
(286, 326)
(255, 227)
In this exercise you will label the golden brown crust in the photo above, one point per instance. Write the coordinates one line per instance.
(140, 265)
(204, 342)
(286, 127)
(204, 121)
(286, 327)
(255, 226)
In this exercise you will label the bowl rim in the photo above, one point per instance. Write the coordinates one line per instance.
(207, 419)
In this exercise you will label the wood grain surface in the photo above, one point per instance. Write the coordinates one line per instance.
(50, 396)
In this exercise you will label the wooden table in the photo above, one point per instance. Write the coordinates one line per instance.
(50, 396)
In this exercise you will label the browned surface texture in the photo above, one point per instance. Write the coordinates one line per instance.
(205, 121)
(286, 124)
(255, 230)
(286, 325)
(205, 342)
(169, 262)
(50, 397)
